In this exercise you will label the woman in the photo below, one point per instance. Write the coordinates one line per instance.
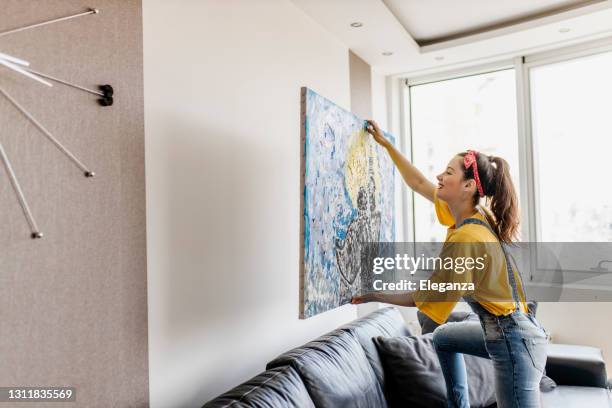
(507, 333)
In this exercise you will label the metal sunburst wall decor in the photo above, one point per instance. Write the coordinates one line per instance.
(22, 67)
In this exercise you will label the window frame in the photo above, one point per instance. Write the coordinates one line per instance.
(522, 64)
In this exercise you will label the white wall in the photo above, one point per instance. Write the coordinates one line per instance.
(379, 100)
(222, 89)
(585, 323)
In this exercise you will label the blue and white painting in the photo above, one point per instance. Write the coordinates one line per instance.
(348, 182)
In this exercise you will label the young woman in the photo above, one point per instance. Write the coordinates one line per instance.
(507, 332)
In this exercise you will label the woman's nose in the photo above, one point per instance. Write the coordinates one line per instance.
(439, 177)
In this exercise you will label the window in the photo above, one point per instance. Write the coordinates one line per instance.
(447, 117)
(571, 121)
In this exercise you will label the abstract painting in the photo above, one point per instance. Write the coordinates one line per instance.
(348, 200)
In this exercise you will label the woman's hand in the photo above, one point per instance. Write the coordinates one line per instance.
(373, 129)
(368, 297)
(399, 299)
(411, 175)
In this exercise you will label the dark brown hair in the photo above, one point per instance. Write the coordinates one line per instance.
(494, 174)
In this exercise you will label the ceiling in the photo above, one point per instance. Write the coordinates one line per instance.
(426, 36)
(436, 21)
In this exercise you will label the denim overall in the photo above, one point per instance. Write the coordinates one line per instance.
(515, 343)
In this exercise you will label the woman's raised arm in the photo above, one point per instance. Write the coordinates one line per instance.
(411, 175)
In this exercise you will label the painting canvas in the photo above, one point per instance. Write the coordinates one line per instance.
(348, 199)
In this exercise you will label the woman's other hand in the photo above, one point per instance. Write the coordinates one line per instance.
(373, 129)
(368, 297)
(399, 299)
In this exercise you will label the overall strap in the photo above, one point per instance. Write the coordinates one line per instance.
(508, 264)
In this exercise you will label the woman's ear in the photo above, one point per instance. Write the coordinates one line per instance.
(470, 186)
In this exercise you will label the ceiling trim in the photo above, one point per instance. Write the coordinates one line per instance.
(534, 55)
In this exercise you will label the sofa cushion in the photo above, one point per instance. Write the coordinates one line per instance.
(567, 396)
(335, 371)
(386, 322)
(415, 379)
(278, 387)
(576, 365)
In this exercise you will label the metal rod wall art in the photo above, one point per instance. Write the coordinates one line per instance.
(22, 67)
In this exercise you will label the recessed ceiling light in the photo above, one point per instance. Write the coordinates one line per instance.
(387, 53)
(356, 24)
(439, 57)
(564, 30)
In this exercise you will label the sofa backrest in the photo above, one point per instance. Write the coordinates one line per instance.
(277, 387)
(340, 368)
(335, 371)
(386, 322)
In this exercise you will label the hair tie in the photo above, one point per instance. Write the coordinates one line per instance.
(469, 160)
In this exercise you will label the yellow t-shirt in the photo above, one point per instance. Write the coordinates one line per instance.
(490, 282)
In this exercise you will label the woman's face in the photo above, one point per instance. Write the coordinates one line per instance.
(451, 185)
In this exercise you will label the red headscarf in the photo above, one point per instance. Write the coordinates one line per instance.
(469, 160)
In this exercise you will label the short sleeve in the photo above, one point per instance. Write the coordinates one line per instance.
(437, 304)
(445, 217)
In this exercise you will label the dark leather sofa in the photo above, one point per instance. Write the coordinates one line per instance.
(343, 369)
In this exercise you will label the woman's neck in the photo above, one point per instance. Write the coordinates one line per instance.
(462, 211)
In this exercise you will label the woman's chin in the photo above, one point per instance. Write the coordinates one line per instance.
(440, 194)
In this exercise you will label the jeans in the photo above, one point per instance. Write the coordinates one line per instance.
(516, 344)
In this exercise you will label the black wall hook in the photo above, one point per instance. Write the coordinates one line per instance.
(107, 98)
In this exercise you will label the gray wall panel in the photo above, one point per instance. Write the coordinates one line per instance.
(73, 305)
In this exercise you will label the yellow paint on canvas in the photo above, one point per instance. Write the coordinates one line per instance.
(361, 160)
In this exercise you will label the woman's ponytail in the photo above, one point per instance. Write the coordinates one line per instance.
(494, 175)
(504, 203)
